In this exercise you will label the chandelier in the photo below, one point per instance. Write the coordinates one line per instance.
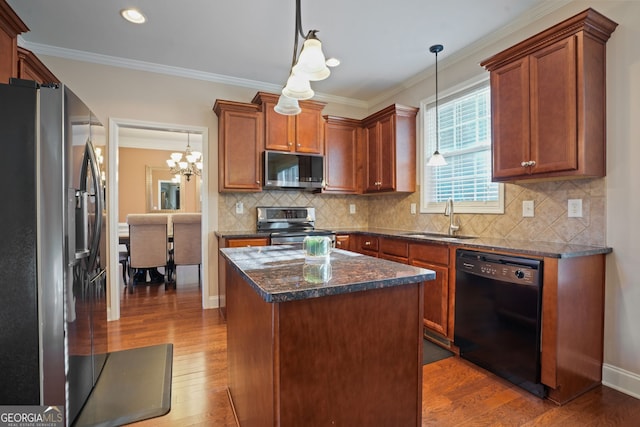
(309, 66)
(192, 165)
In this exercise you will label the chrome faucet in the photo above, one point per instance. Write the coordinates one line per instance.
(448, 211)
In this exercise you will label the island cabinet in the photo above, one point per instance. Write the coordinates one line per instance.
(548, 102)
(390, 150)
(31, 68)
(302, 133)
(438, 297)
(347, 352)
(10, 27)
(240, 146)
(222, 274)
(342, 163)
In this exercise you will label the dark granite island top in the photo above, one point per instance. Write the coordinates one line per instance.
(276, 273)
(346, 352)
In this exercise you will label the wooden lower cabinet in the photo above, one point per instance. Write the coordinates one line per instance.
(342, 242)
(365, 244)
(222, 273)
(438, 297)
(394, 250)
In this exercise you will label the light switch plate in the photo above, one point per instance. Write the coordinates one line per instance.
(413, 208)
(574, 208)
(239, 207)
(527, 208)
(352, 208)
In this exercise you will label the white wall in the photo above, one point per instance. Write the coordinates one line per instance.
(622, 306)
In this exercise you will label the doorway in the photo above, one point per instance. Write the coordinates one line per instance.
(121, 129)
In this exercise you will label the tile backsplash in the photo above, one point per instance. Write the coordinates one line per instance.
(550, 222)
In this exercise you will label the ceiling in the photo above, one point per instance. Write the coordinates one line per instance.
(250, 42)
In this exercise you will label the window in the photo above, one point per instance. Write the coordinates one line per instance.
(465, 142)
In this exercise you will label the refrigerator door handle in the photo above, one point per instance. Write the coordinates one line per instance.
(89, 162)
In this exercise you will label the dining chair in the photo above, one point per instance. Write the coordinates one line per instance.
(148, 243)
(187, 242)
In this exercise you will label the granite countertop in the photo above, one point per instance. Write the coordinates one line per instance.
(525, 247)
(280, 273)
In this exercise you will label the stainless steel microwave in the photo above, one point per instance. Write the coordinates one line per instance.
(290, 170)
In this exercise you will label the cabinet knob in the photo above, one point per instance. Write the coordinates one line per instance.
(524, 164)
(532, 162)
(289, 144)
(367, 243)
(299, 145)
(258, 182)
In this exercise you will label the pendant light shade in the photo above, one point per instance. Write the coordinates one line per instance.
(298, 88)
(312, 63)
(437, 159)
(287, 106)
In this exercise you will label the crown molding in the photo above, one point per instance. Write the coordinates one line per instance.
(114, 61)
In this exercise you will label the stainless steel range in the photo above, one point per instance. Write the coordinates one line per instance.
(290, 225)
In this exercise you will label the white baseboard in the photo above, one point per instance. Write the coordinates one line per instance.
(212, 302)
(621, 380)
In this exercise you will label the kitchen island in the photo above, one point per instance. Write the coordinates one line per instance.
(303, 352)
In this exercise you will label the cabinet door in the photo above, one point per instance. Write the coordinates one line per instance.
(436, 298)
(279, 129)
(309, 131)
(372, 159)
(554, 108)
(387, 155)
(239, 146)
(341, 155)
(510, 119)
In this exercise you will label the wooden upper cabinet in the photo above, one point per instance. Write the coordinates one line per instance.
(10, 27)
(548, 101)
(390, 150)
(301, 133)
(341, 154)
(240, 146)
(30, 68)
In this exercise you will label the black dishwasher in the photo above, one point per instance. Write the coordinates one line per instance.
(498, 315)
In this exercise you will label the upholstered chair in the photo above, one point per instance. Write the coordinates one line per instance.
(187, 241)
(148, 243)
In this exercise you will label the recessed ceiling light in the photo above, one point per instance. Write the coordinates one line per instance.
(133, 15)
(332, 62)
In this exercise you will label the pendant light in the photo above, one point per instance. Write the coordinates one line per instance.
(437, 159)
(310, 65)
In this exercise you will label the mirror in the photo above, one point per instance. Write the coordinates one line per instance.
(163, 193)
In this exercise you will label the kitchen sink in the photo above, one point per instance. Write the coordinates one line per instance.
(438, 236)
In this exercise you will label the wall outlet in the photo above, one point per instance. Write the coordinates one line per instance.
(239, 207)
(413, 208)
(352, 208)
(574, 208)
(527, 208)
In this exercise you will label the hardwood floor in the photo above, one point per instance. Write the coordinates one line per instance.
(455, 392)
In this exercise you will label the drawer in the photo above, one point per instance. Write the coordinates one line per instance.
(394, 247)
(368, 243)
(436, 254)
(258, 241)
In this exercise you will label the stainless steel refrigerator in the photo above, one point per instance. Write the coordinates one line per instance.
(53, 317)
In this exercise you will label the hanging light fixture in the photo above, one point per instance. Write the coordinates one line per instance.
(437, 159)
(192, 165)
(309, 66)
